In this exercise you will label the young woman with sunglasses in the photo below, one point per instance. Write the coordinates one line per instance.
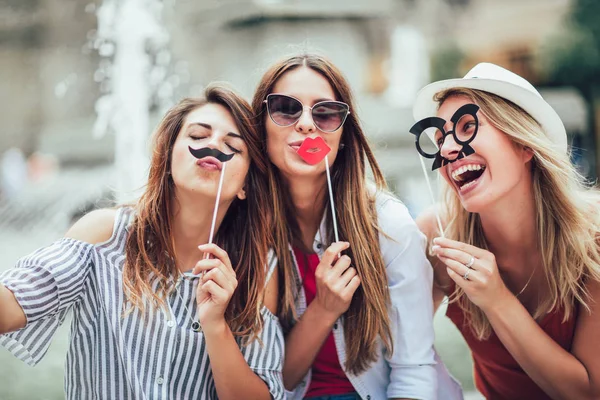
(145, 324)
(520, 258)
(358, 325)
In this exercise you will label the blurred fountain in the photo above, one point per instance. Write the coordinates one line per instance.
(132, 42)
(409, 66)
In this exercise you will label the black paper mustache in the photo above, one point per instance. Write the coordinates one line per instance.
(208, 152)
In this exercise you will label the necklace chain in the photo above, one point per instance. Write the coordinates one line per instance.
(195, 324)
(527, 284)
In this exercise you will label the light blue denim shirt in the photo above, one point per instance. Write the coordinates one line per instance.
(411, 371)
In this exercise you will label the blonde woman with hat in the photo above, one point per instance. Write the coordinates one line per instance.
(518, 255)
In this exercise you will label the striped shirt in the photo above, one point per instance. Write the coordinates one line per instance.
(149, 355)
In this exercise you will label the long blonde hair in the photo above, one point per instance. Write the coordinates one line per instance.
(566, 218)
(357, 220)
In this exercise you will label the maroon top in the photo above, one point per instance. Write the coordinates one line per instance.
(328, 378)
(497, 374)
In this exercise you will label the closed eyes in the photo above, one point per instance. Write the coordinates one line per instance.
(235, 150)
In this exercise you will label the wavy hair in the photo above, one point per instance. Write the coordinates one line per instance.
(565, 211)
(243, 233)
(357, 219)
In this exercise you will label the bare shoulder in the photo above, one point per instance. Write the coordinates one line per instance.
(427, 222)
(94, 227)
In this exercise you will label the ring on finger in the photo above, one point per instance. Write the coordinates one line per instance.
(466, 275)
(470, 263)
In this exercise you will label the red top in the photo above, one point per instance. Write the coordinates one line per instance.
(328, 378)
(497, 374)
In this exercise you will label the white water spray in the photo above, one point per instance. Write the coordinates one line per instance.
(132, 41)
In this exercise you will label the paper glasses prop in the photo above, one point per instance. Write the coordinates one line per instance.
(465, 127)
(223, 158)
(313, 151)
(430, 136)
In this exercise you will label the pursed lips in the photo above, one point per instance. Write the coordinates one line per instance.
(210, 163)
(298, 143)
(295, 145)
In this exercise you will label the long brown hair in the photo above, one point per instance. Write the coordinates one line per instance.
(568, 225)
(356, 214)
(243, 233)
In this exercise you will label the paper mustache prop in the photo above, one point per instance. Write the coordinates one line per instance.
(223, 158)
(208, 152)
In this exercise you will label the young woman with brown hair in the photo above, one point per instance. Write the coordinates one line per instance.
(520, 259)
(145, 324)
(358, 325)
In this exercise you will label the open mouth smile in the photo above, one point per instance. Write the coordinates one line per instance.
(467, 175)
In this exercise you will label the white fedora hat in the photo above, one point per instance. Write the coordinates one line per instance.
(501, 82)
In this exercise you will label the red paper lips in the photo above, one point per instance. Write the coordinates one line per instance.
(313, 151)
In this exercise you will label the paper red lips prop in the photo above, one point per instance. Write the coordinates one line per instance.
(313, 151)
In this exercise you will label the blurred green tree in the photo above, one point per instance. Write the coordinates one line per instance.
(573, 59)
(446, 61)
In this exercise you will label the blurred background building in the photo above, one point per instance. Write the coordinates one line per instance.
(84, 84)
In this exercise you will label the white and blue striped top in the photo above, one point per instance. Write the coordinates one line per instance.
(117, 356)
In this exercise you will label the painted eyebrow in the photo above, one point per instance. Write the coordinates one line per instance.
(209, 127)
